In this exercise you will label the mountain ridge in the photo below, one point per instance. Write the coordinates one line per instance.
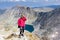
(43, 22)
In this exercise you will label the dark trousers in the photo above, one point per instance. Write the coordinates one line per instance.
(21, 31)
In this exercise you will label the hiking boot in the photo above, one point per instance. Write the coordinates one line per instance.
(22, 35)
(19, 36)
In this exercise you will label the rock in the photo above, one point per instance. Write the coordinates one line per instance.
(31, 36)
(45, 38)
(13, 35)
(27, 36)
(1, 37)
(6, 34)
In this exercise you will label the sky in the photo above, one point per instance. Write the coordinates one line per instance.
(29, 3)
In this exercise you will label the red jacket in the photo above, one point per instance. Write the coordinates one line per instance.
(21, 22)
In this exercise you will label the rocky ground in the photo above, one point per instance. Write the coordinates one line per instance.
(13, 35)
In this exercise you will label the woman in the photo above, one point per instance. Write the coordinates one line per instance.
(21, 25)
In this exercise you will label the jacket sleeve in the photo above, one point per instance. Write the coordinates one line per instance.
(24, 18)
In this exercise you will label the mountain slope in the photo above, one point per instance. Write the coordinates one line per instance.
(54, 6)
(43, 9)
(11, 15)
(48, 23)
(2, 11)
(43, 22)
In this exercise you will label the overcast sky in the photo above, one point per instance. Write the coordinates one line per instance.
(30, 0)
(30, 3)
